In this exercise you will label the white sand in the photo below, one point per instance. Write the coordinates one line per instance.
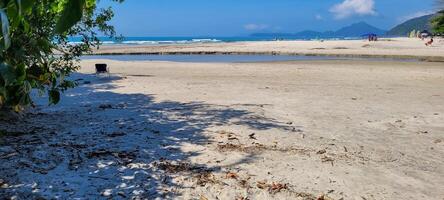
(395, 47)
(346, 129)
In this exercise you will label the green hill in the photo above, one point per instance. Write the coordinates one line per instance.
(419, 23)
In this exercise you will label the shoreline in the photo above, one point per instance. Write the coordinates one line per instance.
(397, 48)
(419, 58)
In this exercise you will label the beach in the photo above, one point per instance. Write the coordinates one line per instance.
(385, 47)
(318, 129)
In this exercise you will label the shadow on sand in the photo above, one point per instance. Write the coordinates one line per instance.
(99, 143)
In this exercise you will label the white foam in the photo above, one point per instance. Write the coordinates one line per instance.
(152, 42)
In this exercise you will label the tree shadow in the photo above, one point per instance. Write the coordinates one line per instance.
(100, 142)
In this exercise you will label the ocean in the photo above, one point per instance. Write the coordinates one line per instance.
(190, 40)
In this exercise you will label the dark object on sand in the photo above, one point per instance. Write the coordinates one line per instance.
(102, 69)
(371, 37)
(430, 42)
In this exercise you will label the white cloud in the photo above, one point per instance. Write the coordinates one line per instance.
(318, 17)
(414, 15)
(353, 7)
(255, 27)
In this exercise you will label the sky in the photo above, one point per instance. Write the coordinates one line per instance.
(226, 18)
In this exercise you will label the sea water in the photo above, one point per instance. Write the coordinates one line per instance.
(231, 58)
(189, 40)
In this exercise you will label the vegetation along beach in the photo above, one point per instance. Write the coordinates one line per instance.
(167, 100)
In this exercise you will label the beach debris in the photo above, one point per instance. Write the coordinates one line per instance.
(116, 134)
(354, 98)
(437, 141)
(41, 161)
(252, 136)
(244, 183)
(237, 147)
(123, 157)
(323, 151)
(205, 177)
(231, 175)
(262, 185)
(98, 153)
(230, 135)
(105, 106)
(232, 138)
(122, 105)
(202, 175)
(3, 184)
(242, 198)
(176, 167)
(259, 148)
(202, 197)
(327, 159)
(75, 161)
(323, 197)
(122, 194)
(272, 188)
(277, 187)
(297, 130)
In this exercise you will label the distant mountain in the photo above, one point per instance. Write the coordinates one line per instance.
(419, 24)
(359, 29)
(354, 30)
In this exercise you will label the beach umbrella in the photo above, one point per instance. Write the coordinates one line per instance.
(425, 33)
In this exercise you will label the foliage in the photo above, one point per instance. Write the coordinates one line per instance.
(34, 48)
(438, 23)
(405, 28)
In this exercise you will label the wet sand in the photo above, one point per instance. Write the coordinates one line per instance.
(385, 48)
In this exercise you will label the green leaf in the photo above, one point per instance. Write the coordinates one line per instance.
(54, 96)
(71, 14)
(25, 90)
(90, 3)
(20, 73)
(7, 74)
(27, 4)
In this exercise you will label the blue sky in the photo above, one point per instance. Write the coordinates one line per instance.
(243, 17)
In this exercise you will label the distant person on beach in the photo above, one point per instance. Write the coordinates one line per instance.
(430, 42)
(372, 37)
